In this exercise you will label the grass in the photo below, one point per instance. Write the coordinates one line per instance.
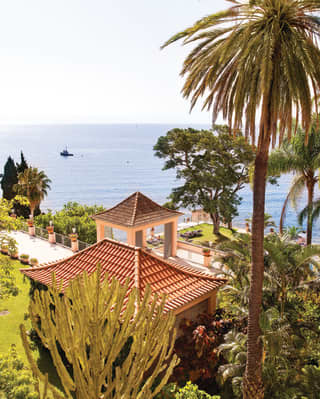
(17, 307)
(208, 235)
(9, 325)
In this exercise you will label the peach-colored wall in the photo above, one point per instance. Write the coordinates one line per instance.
(131, 231)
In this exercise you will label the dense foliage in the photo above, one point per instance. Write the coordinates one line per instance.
(212, 166)
(289, 321)
(73, 215)
(189, 391)
(33, 184)
(303, 159)
(9, 179)
(16, 381)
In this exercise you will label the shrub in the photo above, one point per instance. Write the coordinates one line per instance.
(73, 215)
(16, 381)
(34, 261)
(197, 348)
(189, 391)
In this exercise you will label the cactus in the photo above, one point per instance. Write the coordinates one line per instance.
(92, 321)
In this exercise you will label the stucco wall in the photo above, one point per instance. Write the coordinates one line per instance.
(191, 313)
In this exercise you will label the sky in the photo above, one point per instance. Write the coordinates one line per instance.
(96, 61)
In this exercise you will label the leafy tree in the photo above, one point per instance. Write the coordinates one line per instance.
(9, 179)
(73, 215)
(34, 185)
(295, 155)
(257, 55)
(92, 322)
(22, 166)
(213, 169)
(22, 210)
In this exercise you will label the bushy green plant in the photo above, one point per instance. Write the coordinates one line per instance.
(7, 280)
(189, 391)
(16, 381)
(73, 215)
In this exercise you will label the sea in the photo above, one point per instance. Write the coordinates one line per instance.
(111, 161)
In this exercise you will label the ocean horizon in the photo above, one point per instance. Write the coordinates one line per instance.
(110, 162)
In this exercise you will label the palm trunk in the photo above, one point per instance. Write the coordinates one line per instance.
(252, 382)
(310, 187)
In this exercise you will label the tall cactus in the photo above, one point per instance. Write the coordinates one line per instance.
(92, 322)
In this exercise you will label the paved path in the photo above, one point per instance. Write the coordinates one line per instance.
(38, 248)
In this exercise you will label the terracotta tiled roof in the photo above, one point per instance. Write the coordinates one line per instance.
(181, 284)
(136, 210)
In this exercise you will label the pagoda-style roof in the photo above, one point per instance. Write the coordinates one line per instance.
(136, 210)
(181, 284)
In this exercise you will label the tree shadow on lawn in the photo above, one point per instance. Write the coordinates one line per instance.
(46, 366)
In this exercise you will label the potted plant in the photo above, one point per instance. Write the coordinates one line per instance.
(24, 258)
(12, 248)
(50, 228)
(34, 262)
(73, 237)
(206, 251)
(4, 248)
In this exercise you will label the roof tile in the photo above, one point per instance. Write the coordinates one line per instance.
(136, 210)
(181, 284)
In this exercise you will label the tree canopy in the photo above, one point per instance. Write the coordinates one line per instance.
(73, 215)
(9, 179)
(303, 159)
(212, 166)
(34, 185)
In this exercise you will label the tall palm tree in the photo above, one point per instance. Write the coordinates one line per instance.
(303, 159)
(258, 55)
(33, 184)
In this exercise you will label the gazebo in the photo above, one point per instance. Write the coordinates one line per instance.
(135, 215)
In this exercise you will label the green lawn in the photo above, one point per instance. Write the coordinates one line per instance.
(17, 307)
(207, 234)
(9, 325)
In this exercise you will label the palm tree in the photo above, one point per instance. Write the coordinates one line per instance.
(258, 55)
(34, 185)
(303, 159)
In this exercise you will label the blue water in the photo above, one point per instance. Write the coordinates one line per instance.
(110, 163)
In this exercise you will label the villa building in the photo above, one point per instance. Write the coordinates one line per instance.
(189, 291)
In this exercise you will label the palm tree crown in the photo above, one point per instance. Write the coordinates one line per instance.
(302, 159)
(255, 53)
(34, 185)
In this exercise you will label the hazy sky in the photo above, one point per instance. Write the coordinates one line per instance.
(95, 60)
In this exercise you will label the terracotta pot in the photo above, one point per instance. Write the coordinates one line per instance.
(50, 229)
(73, 237)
